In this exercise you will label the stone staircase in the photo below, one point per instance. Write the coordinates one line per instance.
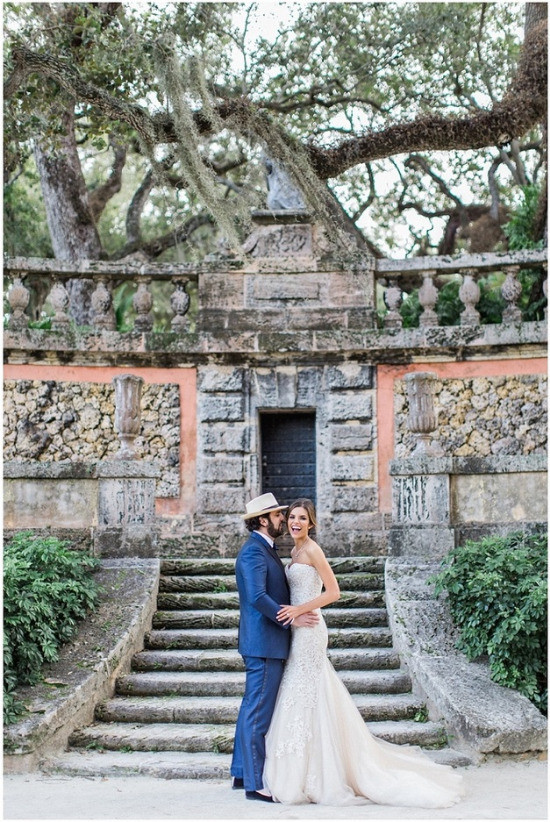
(173, 716)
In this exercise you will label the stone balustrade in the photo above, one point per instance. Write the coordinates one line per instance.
(106, 278)
(393, 278)
(425, 272)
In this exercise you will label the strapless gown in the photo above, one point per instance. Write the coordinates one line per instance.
(318, 748)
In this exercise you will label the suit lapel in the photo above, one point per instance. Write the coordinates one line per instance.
(271, 550)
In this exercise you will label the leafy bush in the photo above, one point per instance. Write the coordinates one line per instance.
(47, 589)
(520, 228)
(497, 594)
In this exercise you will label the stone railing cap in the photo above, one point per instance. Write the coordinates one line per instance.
(128, 469)
(514, 464)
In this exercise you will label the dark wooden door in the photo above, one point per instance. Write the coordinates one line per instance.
(288, 456)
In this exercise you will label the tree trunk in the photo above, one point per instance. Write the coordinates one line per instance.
(72, 229)
(534, 13)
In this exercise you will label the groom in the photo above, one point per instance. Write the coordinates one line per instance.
(264, 643)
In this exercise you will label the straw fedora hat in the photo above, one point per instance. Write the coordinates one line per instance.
(264, 504)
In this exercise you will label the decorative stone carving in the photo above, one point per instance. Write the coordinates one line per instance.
(127, 413)
(422, 418)
(102, 301)
(180, 305)
(393, 297)
(469, 294)
(427, 296)
(282, 192)
(279, 241)
(511, 291)
(18, 298)
(59, 298)
(143, 302)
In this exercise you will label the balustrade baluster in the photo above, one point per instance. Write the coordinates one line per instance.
(18, 298)
(102, 302)
(393, 297)
(427, 296)
(180, 304)
(143, 302)
(469, 294)
(511, 291)
(59, 298)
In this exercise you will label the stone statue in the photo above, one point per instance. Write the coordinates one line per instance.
(281, 191)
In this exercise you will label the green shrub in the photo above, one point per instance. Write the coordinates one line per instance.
(47, 589)
(497, 594)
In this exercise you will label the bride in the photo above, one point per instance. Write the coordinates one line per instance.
(318, 748)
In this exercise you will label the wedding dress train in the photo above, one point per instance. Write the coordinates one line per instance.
(318, 748)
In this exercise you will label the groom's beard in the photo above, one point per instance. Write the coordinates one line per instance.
(275, 531)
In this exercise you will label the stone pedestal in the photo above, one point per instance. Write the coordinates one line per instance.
(126, 509)
(421, 508)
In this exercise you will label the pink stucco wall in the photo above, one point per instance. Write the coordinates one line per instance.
(387, 374)
(186, 378)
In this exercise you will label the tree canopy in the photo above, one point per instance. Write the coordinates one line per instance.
(146, 123)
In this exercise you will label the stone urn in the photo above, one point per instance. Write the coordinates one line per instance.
(422, 418)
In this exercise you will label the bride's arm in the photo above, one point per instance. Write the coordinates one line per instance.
(315, 557)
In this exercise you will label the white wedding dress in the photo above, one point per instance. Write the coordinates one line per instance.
(318, 748)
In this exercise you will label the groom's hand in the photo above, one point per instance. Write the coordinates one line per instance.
(308, 620)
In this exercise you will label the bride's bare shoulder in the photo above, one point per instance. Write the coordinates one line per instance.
(314, 547)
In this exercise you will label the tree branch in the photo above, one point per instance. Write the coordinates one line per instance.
(154, 248)
(421, 162)
(135, 209)
(99, 197)
(523, 107)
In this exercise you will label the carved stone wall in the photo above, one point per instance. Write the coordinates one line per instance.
(482, 416)
(230, 400)
(53, 421)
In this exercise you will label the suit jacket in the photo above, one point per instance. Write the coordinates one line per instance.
(262, 585)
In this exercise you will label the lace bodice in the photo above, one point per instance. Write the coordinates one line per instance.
(304, 581)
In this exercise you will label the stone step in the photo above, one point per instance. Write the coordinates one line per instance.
(112, 736)
(227, 584)
(175, 764)
(214, 710)
(223, 618)
(409, 732)
(360, 582)
(172, 736)
(231, 660)
(197, 584)
(193, 602)
(215, 601)
(215, 683)
(183, 639)
(227, 638)
(189, 566)
(379, 637)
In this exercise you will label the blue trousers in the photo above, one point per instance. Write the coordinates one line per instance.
(263, 677)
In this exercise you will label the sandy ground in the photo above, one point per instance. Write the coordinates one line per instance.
(494, 790)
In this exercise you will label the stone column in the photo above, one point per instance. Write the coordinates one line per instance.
(421, 503)
(126, 495)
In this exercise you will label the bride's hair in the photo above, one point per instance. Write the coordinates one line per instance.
(308, 505)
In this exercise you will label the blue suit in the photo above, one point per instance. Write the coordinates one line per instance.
(264, 644)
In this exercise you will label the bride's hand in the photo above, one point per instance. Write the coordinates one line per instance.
(287, 613)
